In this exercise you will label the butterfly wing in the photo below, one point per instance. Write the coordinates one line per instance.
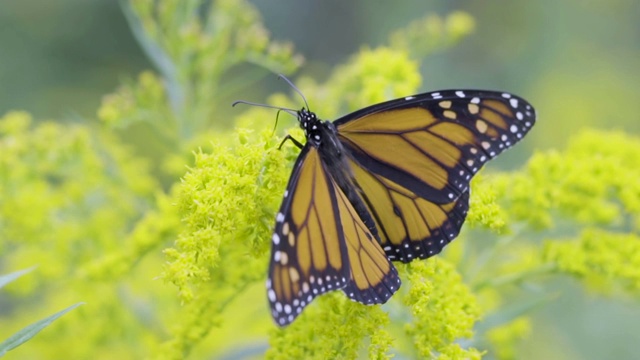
(410, 227)
(373, 278)
(413, 158)
(320, 244)
(308, 253)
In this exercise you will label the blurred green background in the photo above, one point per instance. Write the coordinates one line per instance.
(577, 62)
(571, 58)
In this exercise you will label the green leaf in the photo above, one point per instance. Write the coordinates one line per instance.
(5, 279)
(30, 331)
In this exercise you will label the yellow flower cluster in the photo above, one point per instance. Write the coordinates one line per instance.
(170, 269)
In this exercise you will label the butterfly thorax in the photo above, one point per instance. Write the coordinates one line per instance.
(323, 136)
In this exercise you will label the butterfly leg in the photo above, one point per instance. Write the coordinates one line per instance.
(294, 141)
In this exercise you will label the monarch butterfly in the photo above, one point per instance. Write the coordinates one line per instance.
(389, 182)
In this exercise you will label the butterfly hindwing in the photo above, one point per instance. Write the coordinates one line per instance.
(410, 227)
(373, 278)
(414, 158)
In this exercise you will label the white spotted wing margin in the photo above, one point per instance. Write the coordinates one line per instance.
(320, 245)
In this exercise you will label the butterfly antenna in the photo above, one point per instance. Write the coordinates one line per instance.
(288, 111)
(296, 89)
(276, 125)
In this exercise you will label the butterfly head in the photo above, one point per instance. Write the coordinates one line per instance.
(311, 125)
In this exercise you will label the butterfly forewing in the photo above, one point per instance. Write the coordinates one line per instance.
(414, 157)
(308, 253)
(321, 244)
(434, 143)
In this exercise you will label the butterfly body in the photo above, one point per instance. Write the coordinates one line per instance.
(386, 183)
(322, 135)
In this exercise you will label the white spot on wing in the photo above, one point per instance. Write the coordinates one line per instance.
(460, 93)
(276, 239)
